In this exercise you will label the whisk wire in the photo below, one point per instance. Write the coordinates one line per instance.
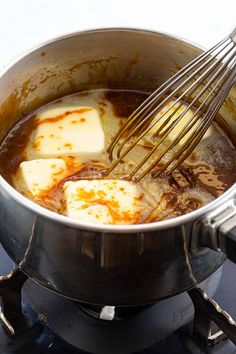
(206, 82)
(201, 128)
(188, 126)
(202, 131)
(136, 128)
(161, 90)
(172, 126)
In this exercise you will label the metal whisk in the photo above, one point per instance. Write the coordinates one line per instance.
(205, 83)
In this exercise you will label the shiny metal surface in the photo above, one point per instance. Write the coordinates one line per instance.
(104, 264)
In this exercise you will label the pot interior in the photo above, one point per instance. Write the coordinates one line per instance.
(112, 58)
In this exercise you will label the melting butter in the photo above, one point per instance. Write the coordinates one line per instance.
(66, 131)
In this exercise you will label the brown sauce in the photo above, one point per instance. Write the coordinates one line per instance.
(190, 187)
(125, 102)
(12, 150)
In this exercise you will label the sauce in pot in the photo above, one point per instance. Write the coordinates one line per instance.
(57, 156)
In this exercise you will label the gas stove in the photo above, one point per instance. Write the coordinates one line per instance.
(36, 320)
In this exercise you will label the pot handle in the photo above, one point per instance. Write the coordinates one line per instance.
(227, 238)
(218, 230)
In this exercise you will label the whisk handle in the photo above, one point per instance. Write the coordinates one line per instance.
(233, 35)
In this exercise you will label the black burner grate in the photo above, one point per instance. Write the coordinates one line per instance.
(50, 322)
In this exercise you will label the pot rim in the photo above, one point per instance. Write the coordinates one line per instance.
(134, 228)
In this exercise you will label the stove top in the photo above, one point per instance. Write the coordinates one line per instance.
(60, 325)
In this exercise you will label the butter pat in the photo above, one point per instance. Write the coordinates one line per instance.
(180, 125)
(67, 131)
(103, 201)
(38, 176)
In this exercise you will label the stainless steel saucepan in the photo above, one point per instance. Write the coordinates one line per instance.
(106, 264)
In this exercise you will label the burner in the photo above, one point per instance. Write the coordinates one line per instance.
(53, 324)
(132, 330)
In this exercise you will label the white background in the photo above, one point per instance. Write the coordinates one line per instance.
(25, 23)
